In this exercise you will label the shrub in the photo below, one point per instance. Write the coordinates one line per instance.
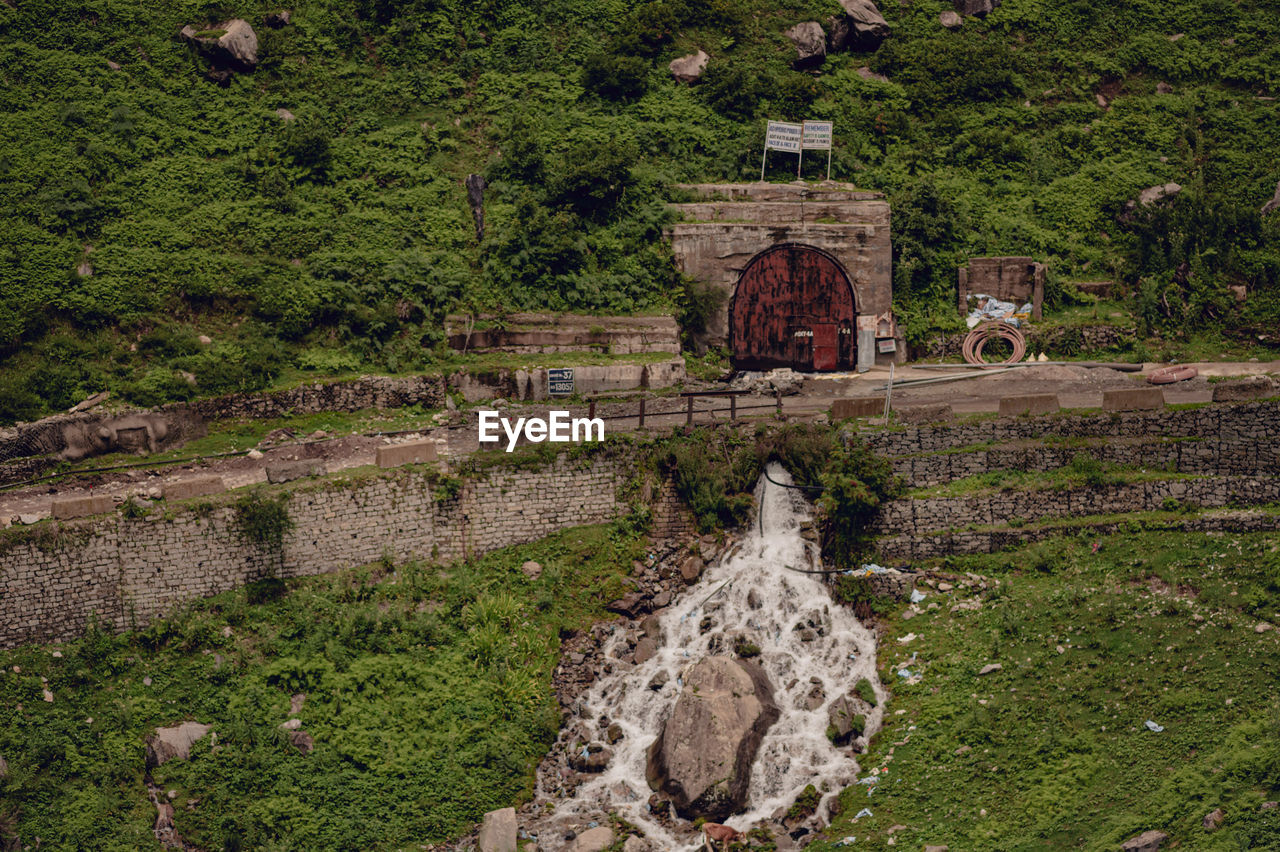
(855, 483)
(615, 78)
(263, 520)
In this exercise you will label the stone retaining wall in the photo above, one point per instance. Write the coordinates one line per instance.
(1231, 424)
(923, 516)
(909, 548)
(126, 572)
(1201, 458)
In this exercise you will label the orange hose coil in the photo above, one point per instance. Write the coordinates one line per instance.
(976, 340)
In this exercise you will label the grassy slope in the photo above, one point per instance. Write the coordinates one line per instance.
(1059, 756)
(428, 694)
(335, 242)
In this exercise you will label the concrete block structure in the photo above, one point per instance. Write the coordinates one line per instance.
(861, 406)
(414, 452)
(1132, 399)
(1030, 403)
(806, 268)
(1010, 279)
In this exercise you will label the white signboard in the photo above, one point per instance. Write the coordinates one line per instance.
(783, 136)
(796, 139)
(816, 136)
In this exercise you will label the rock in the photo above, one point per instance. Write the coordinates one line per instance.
(114, 66)
(1263, 627)
(937, 848)
(276, 20)
(652, 627)
(234, 49)
(844, 721)
(630, 604)
(531, 569)
(48, 695)
(868, 28)
(659, 680)
(1213, 820)
(4, 768)
(702, 757)
(593, 840)
(636, 844)
(291, 725)
(174, 743)
(964, 749)
(1254, 387)
(978, 8)
(868, 74)
(717, 833)
(614, 734)
(295, 701)
(990, 668)
(1152, 194)
(753, 599)
(1270, 806)
(689, 69)
(810, 42)
(28, 520)
(284, 114)
(302, 741)
(204, 340)
(839, 31)
(645, 649)
(1163, 88)
(592, 761)
(1148, 841)
(691, 569)
(661, 599)
(1274, 203)
(785, 381)
(951, 20)
(498, 831)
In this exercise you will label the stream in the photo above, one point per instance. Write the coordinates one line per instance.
(813, 651)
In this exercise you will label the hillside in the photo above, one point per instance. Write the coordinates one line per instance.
(310, 216)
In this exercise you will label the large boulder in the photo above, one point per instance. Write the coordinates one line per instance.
(1152, 194)
(1274, 203)
(867, 27)
(688, 69)
(810, 42)
(232, 46)
(1254, 387)
(593, 840)
(702, 758)
(174, 743)
(980, 8)
(498, 831)
(1148, 841)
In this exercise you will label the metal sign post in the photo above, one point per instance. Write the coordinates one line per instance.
(796, 139)
(781, 136)
(814, 136)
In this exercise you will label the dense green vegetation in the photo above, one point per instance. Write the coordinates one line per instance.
(1095, 636)
(337, 240)
(428, 696)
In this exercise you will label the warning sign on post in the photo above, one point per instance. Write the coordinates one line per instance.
(816, 135)
(783, 136)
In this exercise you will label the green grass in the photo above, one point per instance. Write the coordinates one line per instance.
(428, 694)
(1054, 753)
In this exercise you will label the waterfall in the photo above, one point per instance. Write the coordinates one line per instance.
(751, 593)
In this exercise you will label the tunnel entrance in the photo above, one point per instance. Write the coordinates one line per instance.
(794, 306)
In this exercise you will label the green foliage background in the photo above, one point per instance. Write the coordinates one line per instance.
(337, 241)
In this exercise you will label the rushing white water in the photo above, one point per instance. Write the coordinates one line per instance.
(749, 592)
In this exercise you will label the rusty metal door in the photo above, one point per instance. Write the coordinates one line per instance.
(824, 346)
(785, 292)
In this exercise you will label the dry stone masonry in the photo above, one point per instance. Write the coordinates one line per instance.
(123, 573)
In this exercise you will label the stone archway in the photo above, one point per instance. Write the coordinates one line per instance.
(794, 306)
